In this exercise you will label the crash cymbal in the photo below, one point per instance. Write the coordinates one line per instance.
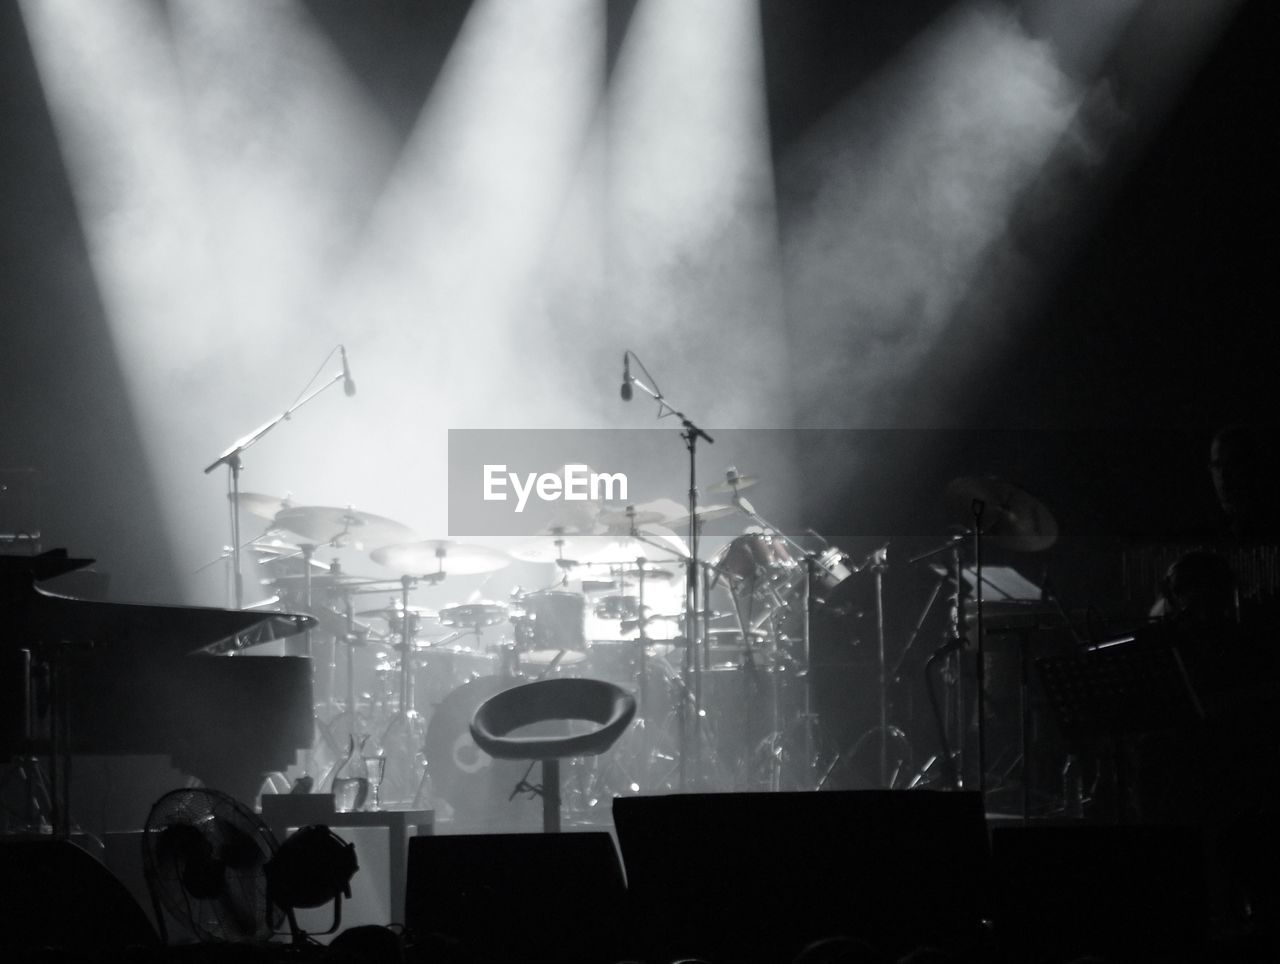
(330, 525)
(441, 555)
(263, 506)
(474, 615)
(1011, 517)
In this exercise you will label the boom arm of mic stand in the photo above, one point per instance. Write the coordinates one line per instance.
(245, 441)
(231, 459)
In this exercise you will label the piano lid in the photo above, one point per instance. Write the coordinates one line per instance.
(45, 565)
(35, 615)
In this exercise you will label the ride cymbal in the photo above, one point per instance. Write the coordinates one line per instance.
(1010, 517)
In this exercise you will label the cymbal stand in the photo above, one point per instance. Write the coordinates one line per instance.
(977, 507)
(402, 737)
(693, 664)
(953, 643)
(38, 803)
(231, 459)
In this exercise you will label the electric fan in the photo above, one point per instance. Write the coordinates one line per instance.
(204, 855)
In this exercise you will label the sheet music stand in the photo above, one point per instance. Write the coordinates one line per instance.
(1118, 688)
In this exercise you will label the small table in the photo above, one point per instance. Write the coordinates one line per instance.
(284, 811)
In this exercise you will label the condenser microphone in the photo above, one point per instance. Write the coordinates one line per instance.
(626, 377)
(348, 385)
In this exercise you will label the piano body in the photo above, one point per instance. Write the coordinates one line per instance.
(123, 679)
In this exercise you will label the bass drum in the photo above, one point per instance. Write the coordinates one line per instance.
(470, 781)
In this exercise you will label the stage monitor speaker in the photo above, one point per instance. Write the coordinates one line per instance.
(1123, 893)
(53, 894)
(518, 896)
(757, 876)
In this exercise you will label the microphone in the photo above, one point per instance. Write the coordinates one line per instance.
(348, 385)
(626, 377)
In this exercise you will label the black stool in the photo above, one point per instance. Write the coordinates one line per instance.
(563, 699)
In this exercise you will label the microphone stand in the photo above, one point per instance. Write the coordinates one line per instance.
(231, 459)
(690, 434)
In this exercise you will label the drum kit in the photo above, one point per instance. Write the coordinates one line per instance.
(723, 704)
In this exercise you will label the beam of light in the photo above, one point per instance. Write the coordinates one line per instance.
(955, 184)
(694, 275)
(901, 192)
(211, 158)
(447, 284)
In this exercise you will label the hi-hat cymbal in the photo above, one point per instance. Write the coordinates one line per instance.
(441, 555)
(330, 525)
(705, 514)
(263, 506)
(733, 482)
(1011, 517)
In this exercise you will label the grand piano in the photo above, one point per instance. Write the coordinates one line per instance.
(110, 678)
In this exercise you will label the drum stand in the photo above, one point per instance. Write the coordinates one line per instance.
(405, 734)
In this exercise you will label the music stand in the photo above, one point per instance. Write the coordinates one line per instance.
(1119, 688)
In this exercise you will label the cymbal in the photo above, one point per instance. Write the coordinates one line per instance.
(263, 506)
(441, 555)
(664, 575)
(583, 550)
(283, 557)
(394, 613)
(330, 525)
(733, 482)
(474, 615)
(705, 514)
(320, 581)
(1011, 518)
(621, 519)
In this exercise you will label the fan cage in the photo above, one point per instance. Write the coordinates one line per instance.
(241, 844)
